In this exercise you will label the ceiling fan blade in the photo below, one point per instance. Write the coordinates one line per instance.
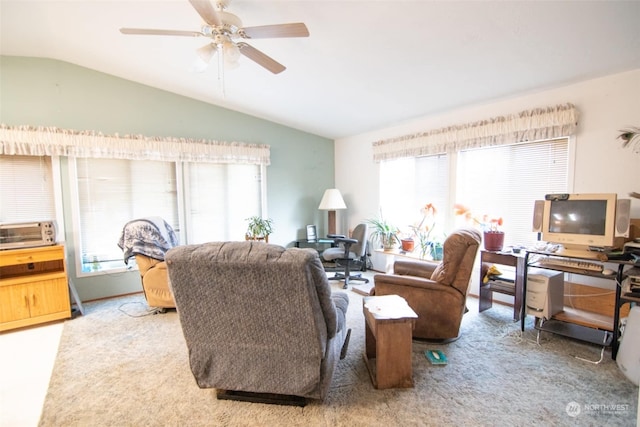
(206, 11)
(261, 59)
(151, 32)
(297, 29)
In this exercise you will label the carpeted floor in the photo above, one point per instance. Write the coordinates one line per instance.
(115, 368)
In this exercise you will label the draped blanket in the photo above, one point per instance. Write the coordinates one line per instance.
(150, 236)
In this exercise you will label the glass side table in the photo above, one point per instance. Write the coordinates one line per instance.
(318, 244)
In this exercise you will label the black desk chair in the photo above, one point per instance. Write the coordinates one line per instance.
(349, 252)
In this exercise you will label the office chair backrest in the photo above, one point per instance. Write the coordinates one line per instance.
(361, 234)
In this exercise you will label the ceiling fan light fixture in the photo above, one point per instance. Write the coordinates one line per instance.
(206, 30)
(206, 52)
(231, 54)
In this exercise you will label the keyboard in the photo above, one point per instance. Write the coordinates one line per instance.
(551, 261)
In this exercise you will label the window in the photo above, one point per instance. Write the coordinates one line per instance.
(220, 198)
(501, 181)
(201, 201)
(407, 185)
(112, 192)
(27, 189)
(504, 181)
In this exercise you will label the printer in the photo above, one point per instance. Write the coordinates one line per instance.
(632, 249)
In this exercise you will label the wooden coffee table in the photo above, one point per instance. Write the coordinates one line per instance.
(389, 322)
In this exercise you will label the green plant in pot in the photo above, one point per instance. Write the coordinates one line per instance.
(384, 232)
(259, 228)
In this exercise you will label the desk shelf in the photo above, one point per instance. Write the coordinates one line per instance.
(577, 331)
(514, 289)
(592, 327)
(585, 318)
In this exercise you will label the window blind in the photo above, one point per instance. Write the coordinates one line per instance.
(112, 192)
(505, 181)
(220, 198)
(27, 189)
(408, 184)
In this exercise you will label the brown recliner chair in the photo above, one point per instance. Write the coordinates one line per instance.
(148, 239)
(437, 292)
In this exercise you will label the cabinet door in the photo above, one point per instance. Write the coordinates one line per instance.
(14, 303)
(48, 296)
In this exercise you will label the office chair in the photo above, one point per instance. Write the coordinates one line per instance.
(349, 252)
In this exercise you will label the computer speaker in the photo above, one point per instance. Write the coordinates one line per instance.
(623, 217)
(538, 212)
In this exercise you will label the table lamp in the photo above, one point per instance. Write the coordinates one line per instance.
(331, 201)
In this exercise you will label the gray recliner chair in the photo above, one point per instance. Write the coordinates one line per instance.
(349, 252)
(260, 321)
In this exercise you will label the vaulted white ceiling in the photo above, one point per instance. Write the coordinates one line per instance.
(366, 65)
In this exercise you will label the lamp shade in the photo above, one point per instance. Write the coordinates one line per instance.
(332, 200)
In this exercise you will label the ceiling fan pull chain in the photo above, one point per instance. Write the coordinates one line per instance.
(221, 70)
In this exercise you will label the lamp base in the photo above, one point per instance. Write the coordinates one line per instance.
(332, 222)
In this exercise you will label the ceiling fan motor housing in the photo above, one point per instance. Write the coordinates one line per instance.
(230, 25)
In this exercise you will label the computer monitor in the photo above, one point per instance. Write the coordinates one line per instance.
(580, 220)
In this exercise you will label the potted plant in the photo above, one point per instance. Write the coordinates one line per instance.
(493, 237)
(259, 228)
(423, 231)
(407, 243)
(384, 232)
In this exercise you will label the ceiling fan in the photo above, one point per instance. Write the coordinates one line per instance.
(225, 29)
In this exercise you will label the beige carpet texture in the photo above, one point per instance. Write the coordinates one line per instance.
(118, 367)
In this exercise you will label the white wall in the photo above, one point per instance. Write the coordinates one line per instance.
(605, 104)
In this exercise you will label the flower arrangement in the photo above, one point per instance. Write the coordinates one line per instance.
(423, 231)
(485, 222)
(493, 236)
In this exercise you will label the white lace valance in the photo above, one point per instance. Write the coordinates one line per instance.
(51, 141)
(532, 125)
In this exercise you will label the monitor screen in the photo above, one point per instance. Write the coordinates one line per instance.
(580, 220)
(578, 217)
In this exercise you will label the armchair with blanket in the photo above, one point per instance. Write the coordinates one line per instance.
(148, 239)
(260, 321)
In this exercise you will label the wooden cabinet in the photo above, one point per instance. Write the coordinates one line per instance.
(33, 287)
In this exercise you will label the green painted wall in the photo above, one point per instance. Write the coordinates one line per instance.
(43, 92)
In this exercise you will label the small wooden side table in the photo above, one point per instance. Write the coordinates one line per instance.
(389, 323)
(516, 291)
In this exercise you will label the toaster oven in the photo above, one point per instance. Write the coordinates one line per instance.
(27, 234)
